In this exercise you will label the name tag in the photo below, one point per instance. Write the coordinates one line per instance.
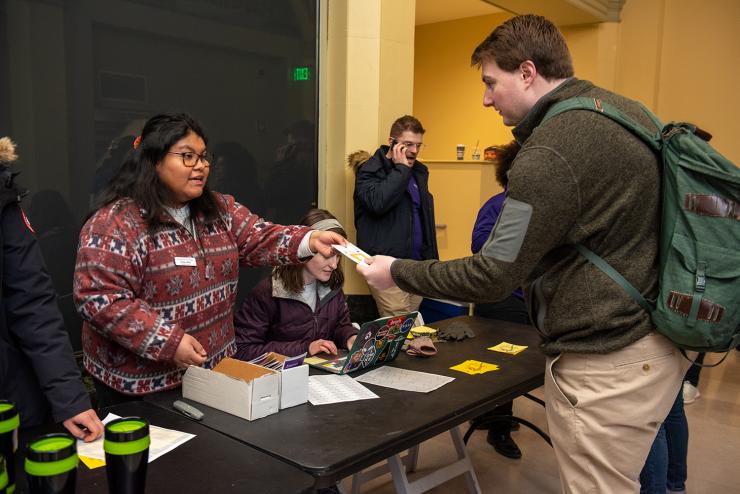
(184, 261)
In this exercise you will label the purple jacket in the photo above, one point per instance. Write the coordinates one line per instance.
(485, 222)
(273, 320)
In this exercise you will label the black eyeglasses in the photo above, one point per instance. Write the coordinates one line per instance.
(409, 145)
(190, 159)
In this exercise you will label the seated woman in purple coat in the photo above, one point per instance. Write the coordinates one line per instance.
(299, 308)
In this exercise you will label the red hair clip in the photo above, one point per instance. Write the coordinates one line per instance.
(137, 141)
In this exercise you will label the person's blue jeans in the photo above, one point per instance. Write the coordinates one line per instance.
(665, 467)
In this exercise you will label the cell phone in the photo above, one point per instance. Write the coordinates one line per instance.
(393, 144)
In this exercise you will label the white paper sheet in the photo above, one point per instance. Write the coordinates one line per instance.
(406, 380)
(352, 252)
(323, 390)
(163, 441)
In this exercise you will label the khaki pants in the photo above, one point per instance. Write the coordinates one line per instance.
(394, 302)
(603, 412)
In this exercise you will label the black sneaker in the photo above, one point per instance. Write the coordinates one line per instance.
(504, 445)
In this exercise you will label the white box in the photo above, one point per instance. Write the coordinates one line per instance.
(236, 387)
(293, 383)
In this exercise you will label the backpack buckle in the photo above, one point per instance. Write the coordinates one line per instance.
(701, 280)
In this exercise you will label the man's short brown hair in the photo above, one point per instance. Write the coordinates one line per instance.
(527, 37)
(406, 122)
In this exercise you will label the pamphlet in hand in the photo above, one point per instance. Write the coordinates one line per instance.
(351, 251)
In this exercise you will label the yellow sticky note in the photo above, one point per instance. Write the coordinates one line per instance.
(92, 463)
(509, 348)
(474, 367)
(314, 360)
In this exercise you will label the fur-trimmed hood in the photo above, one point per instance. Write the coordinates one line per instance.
(7, 151)
(356, 159)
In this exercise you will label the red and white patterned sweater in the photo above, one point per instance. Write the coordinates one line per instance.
(137, 303)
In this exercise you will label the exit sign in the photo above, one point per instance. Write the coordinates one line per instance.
(301, 73)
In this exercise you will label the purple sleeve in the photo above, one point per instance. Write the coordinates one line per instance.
(251, 328)
(486, 220)
(343, 326)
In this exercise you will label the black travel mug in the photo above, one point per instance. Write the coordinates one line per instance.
(51, 464)
(126, 448)
(3, 476)
(9, 422)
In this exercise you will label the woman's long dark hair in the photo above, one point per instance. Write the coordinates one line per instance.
(138, 179)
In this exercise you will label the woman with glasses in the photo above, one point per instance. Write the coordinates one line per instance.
(158, 262)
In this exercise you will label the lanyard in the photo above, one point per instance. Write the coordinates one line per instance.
(209, 270)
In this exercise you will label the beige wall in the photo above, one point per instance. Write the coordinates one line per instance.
(680, 58)
(366, 83)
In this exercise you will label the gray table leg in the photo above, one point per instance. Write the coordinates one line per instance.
(410, 461)
(399, 466)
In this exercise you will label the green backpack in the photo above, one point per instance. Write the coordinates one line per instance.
(698, 306)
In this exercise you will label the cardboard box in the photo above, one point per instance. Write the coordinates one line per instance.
(236, 387)
(293, 383)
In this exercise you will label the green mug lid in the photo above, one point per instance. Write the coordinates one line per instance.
(126, 429)
(51, 447)
(7, 410)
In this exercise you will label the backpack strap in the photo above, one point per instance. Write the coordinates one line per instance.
(612, 273)
(596, 105)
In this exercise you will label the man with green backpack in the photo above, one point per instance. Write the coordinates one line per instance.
(587, 184)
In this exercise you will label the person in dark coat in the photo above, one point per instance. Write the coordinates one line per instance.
(37, 369)
(299, 309)
(394, 210)
(512, 309)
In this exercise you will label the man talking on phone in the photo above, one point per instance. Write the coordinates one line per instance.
(394, 211)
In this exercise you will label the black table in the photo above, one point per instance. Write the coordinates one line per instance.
(333, 441)
(208, 463)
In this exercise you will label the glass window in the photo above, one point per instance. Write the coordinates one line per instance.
(78, 79)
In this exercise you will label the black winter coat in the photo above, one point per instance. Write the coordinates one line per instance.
(37, 369)
(384, 209)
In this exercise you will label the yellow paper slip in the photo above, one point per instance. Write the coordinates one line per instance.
(474, 367)
(314, 360)
(92, 463)
(509, 348)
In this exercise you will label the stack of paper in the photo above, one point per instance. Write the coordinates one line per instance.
(323, 390)
(162, 441)
(278, 362)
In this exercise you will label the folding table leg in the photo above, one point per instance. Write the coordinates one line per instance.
(412, 459)
(398, 472)
(399, 466)
(462, 454)
(410, 462)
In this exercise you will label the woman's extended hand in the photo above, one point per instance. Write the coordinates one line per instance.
(189, 352)
(322, 241)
